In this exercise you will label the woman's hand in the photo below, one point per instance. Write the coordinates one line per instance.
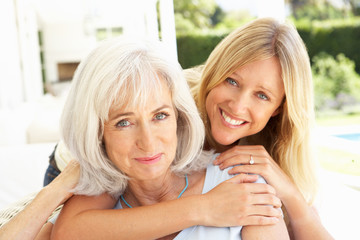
(66, 181)
(240, 202)
(263, 165)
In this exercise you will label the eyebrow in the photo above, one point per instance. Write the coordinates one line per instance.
(132, 113)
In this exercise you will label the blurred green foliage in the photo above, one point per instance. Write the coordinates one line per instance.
(191, 15)
(333, 37)
(336, 82)
(321, 11)
(194, 49)
(200, 16)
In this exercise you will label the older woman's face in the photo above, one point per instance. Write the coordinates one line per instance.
(142, 142)
(243, 104)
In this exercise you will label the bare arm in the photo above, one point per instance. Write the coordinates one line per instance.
(304, 222)
(276, 232)
(28, 223)
(84, 218)
(91, 221)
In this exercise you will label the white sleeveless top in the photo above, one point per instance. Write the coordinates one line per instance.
(213, 177)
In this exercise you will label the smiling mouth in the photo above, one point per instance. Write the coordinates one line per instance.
(230, 120)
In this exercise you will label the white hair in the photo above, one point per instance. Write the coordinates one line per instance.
(123, 71)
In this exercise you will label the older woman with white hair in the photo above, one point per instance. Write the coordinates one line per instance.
(132, 124)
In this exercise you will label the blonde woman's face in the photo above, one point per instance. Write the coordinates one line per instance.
(243, 104)
(142, 141)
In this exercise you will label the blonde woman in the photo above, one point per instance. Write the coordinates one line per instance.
(235, 87)
(255, 98)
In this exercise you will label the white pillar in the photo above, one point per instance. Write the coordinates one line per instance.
(152, 26)
(271, 8)
(11, 89)
(167, 23)
(29, 50)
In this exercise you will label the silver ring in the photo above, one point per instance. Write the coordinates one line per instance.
(251, 162)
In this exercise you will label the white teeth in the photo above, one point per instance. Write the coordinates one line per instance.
(231, 121)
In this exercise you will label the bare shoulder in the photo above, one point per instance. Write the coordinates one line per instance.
(103, 201)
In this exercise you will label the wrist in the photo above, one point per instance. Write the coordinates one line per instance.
(56, 192)
(197, 212)
(298, 209)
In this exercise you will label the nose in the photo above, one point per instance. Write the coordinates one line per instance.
(146, 139)
(240, 103)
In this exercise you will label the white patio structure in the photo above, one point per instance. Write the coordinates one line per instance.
(69, 31)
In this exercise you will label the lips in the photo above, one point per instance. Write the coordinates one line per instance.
(150, 160)
(230, 121)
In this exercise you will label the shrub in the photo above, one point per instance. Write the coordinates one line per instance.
(336, 82)
(194, 49)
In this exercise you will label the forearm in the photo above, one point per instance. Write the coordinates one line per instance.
(146, 222)
(27, 223)
(304, 221)
(276, 232)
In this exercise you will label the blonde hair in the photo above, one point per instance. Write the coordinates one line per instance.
(124, 71)
(287, 135)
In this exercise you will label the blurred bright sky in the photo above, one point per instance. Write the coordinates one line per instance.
(237, 4)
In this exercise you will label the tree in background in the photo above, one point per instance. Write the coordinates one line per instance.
(322, 9)
(233, 19)
(295, 5)
(199, 15)
(354, 6)
(194, 14)
(336, 82)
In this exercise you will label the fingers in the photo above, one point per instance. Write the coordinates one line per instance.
(253, 169)
(244, 203)
(242, 159)
(69, 177)
(234, 160)
(250, 187)
(241, 150)
(243, 178)
(266, 199)
(266, 211)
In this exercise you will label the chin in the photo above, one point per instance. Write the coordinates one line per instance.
(224, 140)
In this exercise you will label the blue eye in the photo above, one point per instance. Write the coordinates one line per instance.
(263, 96)
(161, 116)
(231, 81)
(123, 123)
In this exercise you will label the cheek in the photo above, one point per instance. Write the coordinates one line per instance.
(169, 144)
(117, 146)
(167, 132)
(111, 150)
(211, 101)
(262, 117)
(172, 139)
